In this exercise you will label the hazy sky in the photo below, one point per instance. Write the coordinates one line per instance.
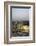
(20, 14)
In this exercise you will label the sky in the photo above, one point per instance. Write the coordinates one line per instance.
(20, 14)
